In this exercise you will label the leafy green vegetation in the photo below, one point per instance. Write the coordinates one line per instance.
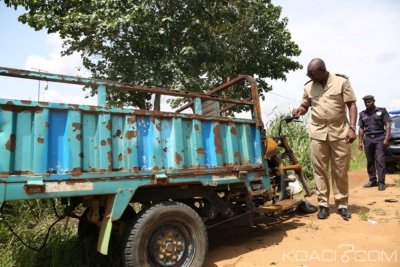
(192, 45)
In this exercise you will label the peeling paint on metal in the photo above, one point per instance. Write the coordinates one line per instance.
(233, 131)
(178, 158)
(10, 145)
(131, 134)
(109, 125)
(76, 126)
(200, 151)
(68, 187)
(217, 139)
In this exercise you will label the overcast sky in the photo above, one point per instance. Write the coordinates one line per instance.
(358, 38)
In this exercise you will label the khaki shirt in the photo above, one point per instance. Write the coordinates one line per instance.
(328, 107)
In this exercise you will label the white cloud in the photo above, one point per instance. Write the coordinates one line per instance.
(356, 38)
(53, 62)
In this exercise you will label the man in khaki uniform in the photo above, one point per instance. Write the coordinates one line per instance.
(331, 133)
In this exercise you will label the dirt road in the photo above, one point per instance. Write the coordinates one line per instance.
(370, 238)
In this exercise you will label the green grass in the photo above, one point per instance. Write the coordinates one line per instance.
(358, 159)
(363, 213)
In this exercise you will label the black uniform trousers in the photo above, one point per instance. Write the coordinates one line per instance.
(375, 154)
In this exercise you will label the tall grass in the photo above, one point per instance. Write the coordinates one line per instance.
(297, 136)
(30, 221)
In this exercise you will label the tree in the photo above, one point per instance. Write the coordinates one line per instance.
(192, 45)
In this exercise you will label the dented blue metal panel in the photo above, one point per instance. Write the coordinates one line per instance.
(43, 140)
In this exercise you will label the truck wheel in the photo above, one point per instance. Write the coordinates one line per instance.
(167, 234)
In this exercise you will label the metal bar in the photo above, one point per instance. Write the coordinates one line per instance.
(51, 77)
(223, 87)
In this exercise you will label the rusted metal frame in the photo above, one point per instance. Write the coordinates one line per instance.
(217, 89)
(12, 104)
(132, 174)
(230, 106)
(51, 77)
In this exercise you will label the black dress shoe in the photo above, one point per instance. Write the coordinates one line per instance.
(323, 212)
(307, 208)
(371, 184)
(345, 213)
(381, 187)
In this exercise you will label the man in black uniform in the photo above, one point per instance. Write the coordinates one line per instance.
(373, 136)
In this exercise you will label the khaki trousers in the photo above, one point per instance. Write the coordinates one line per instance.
(338, 154)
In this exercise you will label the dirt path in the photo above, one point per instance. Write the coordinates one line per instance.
(370, 238)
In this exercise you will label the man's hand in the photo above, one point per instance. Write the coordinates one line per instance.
(361, 146)
(297, 112)
(351, 136)
(386, 142)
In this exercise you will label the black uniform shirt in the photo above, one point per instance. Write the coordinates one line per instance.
(373, 122)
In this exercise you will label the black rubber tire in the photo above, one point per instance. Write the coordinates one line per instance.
(164, 231)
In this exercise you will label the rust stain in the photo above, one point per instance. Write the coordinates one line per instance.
(46, 124)
(132, 119)
(233, 131)
(76, 171)
(217, 140)
(129, 150)
(131, 134)
(178, 158)
(120, 158)
(77, 126)
(43, 103)
(236, 154)
(38, 110)
(103, 142)
(81, 155)
(197, 127)
(10, 145)
(97, 170)
(22, 172)
(109, 141)
(40, 140)
(200, 150)
(92, 108)
(27, 102)
(109, 125)
(118, 133)
(109, 156)
(158, 126)
(78, 137)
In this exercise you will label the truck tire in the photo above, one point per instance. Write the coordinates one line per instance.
(166, 234)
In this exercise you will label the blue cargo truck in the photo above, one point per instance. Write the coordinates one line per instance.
(184, 171)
